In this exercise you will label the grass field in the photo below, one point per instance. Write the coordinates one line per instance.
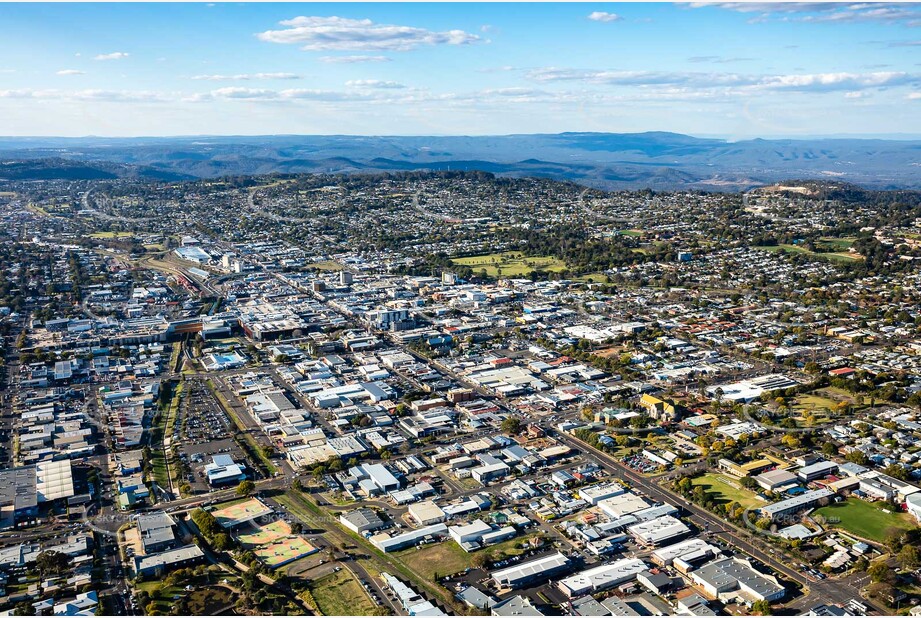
(593, 278)
(439, 559)
(841, 256)
(633, 233)
(159, 433)
(510, 264)
(727, 490)
(339, 594)
(864, 519)
(810, 403)
(837, 244)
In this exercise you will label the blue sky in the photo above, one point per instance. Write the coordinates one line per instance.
(727, 69)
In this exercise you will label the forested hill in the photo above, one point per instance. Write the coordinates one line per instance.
(654, 160)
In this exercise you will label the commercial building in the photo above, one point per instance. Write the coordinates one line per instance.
(658, 531)
(532, 572)
(223, 470)
(685, 554)
(426, 513)
(388, 543)
(602, 577)
(155, 564)
(734, 579)
(156, 532)
(18, 495)
(361, 520)
(596, 493)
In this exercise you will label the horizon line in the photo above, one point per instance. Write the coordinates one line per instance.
(722, 137)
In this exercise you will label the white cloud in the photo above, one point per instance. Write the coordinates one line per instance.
(374, 83)
(352, 59)
(717, 59)
(245, 77)
(914, 96)
(344, 34)
(825, 12)
(112, 56)
(114, 96)
(70, 72)
(604, 16)
(855, 94)
(817, 82)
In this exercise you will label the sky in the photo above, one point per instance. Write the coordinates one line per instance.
(733, 70)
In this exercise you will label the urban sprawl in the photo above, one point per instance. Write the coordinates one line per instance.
(457, 394)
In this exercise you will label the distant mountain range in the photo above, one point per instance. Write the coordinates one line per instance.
(654, 160)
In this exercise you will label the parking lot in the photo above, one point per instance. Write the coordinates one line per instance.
(202, 419)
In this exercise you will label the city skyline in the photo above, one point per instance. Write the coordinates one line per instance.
(725, 69)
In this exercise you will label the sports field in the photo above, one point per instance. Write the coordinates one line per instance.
(864, 519)
(510, 264)
(237, 513)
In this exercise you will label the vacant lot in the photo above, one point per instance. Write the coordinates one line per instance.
(445, 558)
(864, 519)
(510, 264)
(339, 594)
(727, 490)
(326, 265)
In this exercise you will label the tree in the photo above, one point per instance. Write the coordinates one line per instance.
(24, 608)
(880, 572)
(790, 441)
(246, 488)
(748, 482)
(761, 608)
(857, 457)
(909, 557)
(896, 471)
(222, 542)
(52, 562)
(829, 449)
(511, 425)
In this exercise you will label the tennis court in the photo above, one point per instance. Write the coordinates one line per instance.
(238, 513)
(263, 535)
(284, 550)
